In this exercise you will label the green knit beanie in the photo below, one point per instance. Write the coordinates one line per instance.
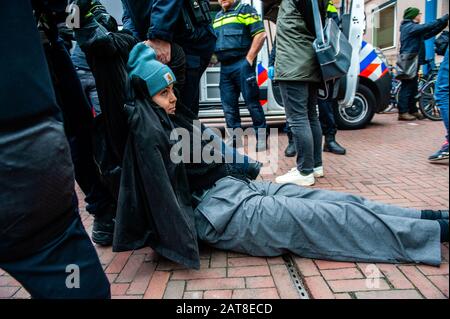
(411, 13)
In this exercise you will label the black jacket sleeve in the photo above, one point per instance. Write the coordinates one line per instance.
(428, 28)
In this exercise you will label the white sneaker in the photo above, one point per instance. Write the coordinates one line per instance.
(294, 176)
(318, 172)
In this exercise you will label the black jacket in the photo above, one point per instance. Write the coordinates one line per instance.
(154, 197)
(26, 90)
(413, 35)
(28, 104)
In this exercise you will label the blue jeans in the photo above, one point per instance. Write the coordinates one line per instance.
(236, 78)
(300, 102)
(441, 92)
(195, 67)
(326, 117)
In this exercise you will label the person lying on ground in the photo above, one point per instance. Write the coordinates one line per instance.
(262, 218)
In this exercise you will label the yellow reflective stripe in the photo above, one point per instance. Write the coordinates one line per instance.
(331, 8)
(246, 19)
(258, 32)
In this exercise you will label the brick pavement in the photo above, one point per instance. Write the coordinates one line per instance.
(385, 162)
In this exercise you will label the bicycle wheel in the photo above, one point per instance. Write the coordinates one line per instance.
(427, 104)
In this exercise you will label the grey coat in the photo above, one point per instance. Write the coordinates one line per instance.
(267, 219)
(295, 58)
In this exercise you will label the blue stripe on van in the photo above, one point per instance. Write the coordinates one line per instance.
(368, 60)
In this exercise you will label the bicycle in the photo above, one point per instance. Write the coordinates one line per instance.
(425, 97)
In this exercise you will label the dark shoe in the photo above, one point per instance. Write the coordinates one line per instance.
(103, 230)
(290, 150)
(253, 170)
(440, 155)
(418, 115)
(434, 214)
(406, 117)
(332, 146)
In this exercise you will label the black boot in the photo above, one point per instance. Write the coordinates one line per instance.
(290, 150)
(103, 227)
(332, 146)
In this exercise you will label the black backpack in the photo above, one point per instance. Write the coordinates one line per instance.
(441, 43)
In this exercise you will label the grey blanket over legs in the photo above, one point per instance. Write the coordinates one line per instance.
(267, 219)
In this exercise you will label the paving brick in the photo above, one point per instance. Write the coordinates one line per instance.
(157, 285)
(144, 251)
(358, 285)
(246, 261)
(127, 297)
(318, 288)
(174, 290)
(132, 266)
(118, 262)
(283, 282)
(167, 265)
(325, 264)
(107, 257)
(389, 294)
(395, 276)
(8, 281)
(252, 271)
(204, 263)
(142, 279)
(264, 293)
(218, 294)
(217, 284)
(275, 261)
(370, 270)
(119, 289)
(8, 292)
(2, 272)
(111, 277)
(427, 289)
(218, 259)
(431, 271)
(306, 267)
(193, 295)
(259, 282)
(342, 296)
(345, 273)
(440, 282)
(22, 294)
(199, 274)
(444, 253)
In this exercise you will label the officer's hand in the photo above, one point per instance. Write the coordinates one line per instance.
(271, 72)
(162, 49)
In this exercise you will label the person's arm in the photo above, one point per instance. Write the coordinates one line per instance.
(438, 29)
(256, 26)
(423, 29)
(257, 44)
(127, 22)
(164, 16)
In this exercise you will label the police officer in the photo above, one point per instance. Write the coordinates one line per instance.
(42, 239)
(326, 107)
(184, 22)
(240, 36)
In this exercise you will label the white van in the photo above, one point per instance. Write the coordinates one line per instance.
(372, 93)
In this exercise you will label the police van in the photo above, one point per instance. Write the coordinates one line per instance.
(364, 94)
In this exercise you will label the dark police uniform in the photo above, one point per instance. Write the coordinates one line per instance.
(185, 22)
(41, 233)
(235, 30)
